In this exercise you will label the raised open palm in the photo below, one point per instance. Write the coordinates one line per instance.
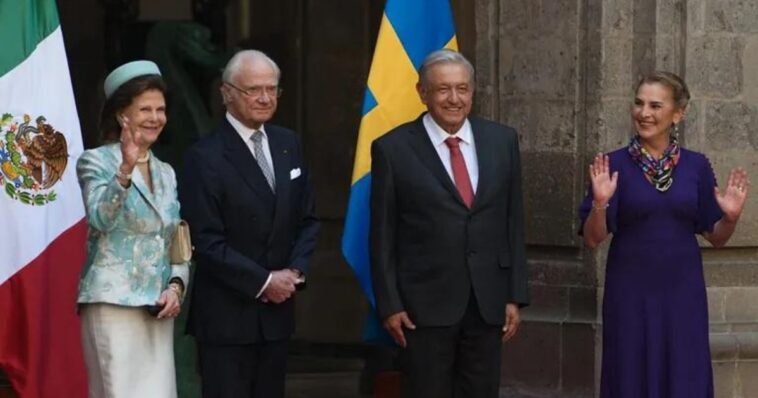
(130, 139)
(603, 182)
(732, 199)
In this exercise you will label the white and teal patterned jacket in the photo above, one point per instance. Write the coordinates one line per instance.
(130, 231)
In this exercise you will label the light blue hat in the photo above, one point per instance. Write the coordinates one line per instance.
(126, 72)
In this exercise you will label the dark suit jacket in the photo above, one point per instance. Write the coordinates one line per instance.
(428, 250)
(241, 231)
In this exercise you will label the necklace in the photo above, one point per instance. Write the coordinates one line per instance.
(144, 159)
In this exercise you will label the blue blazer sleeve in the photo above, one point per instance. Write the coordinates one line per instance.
(103, 196)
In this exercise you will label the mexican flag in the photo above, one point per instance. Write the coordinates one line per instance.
(42, 226)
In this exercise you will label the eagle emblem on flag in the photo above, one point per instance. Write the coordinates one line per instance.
(33, 157)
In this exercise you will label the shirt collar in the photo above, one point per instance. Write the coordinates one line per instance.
(439, 135)
(244, 131)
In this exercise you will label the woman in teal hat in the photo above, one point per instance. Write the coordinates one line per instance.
(129, 292)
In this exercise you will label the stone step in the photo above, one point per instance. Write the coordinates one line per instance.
(324, 385)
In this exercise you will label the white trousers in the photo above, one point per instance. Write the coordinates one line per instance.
(128, 353)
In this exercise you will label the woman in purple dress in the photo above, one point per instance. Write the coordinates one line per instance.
(655, 197)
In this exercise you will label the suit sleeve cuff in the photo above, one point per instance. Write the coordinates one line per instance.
(180, 271)
(265, 285)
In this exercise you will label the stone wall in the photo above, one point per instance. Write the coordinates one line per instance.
(721, 64)
(562, 72)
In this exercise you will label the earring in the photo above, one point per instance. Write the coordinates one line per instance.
(675, 128)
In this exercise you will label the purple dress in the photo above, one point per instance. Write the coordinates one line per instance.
(655, 309)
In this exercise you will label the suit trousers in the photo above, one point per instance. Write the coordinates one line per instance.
(458, 361)
(243, 371)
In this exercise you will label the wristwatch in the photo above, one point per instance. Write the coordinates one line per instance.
(177, 286)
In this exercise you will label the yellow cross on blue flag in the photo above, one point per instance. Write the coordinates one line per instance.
(410, 29)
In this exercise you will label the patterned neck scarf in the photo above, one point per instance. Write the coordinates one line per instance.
(659, 172)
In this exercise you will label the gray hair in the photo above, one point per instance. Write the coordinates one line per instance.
(235, 64)
(443, 56)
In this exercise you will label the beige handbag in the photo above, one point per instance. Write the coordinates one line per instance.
(181, 244)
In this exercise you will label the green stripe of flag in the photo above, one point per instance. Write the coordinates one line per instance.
(23, 24)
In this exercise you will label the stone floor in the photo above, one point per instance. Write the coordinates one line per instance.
(324, 385)
(319, 377)
(323, 374)
(334, 372)
(345, 385)
(300, 385)
(320, 385)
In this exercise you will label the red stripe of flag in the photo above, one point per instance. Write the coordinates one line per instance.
(40, 345)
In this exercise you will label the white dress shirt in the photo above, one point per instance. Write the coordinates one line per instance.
(467, 145)
(246, 132)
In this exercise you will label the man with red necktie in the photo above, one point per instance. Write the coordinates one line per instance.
(447, 242)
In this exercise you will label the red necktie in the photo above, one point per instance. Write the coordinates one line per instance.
(460, 173)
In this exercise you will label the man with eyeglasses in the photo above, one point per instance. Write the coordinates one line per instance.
(246, 194)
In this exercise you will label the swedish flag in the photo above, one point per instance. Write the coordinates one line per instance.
(410, 30)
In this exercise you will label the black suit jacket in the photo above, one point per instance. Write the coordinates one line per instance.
(428, 250)
(241, 231)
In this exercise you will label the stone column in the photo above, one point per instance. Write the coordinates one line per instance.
(531, 59)
(721, 67)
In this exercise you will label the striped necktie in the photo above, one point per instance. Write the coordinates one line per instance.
(260, 157)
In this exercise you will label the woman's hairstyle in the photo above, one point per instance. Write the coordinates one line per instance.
(110, 128)
(679, 90)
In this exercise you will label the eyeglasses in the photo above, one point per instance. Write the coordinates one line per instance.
(256, 92)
